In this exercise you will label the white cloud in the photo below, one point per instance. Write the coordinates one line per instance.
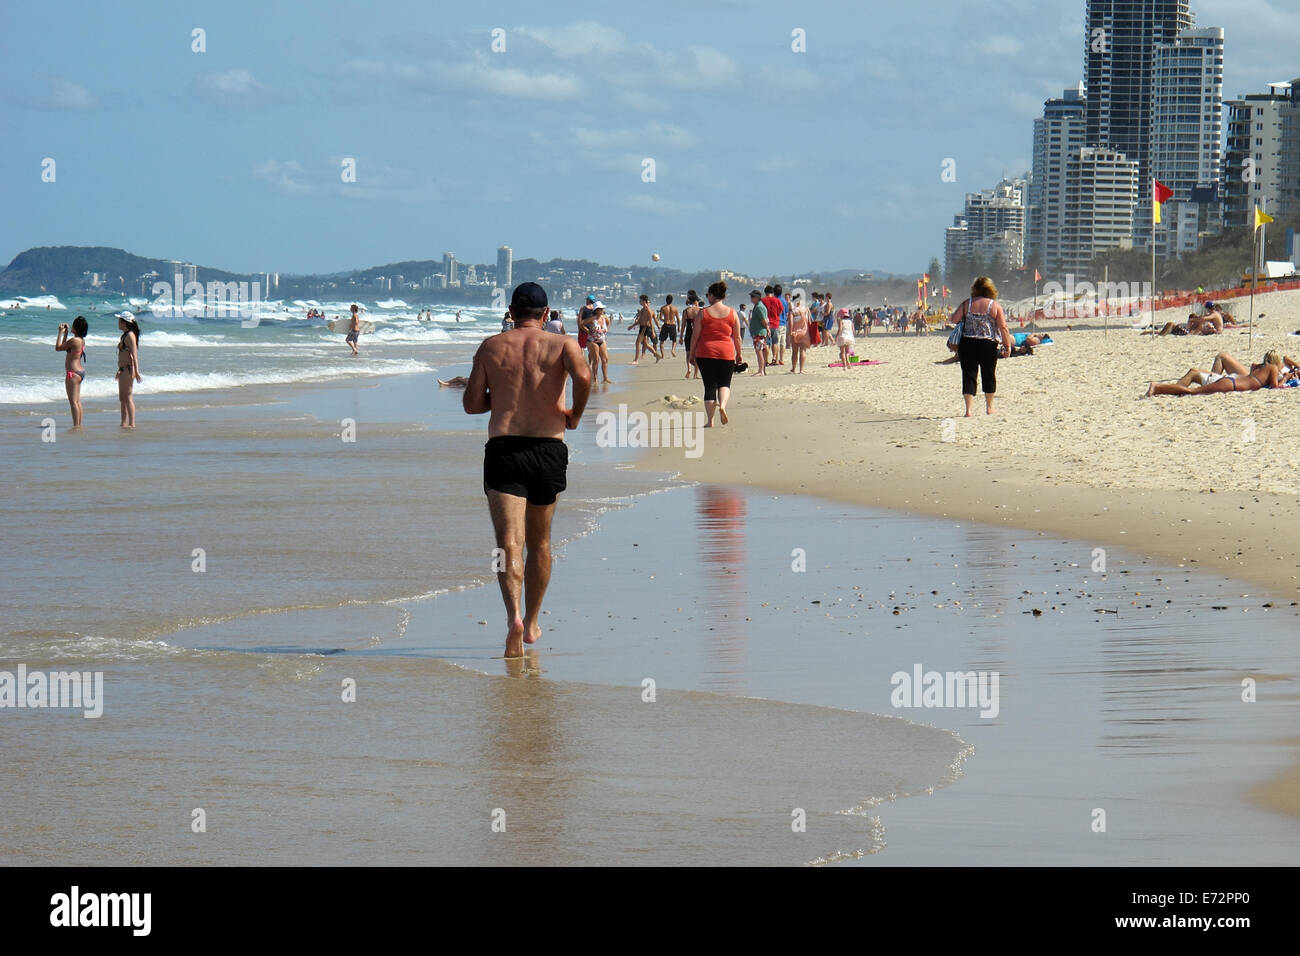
(61, 94)
(234, 88)
(478, 75)
(650, 137)
(287, 177)
(658, 206)
(578, 39)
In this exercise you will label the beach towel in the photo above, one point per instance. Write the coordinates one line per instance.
(854, 364)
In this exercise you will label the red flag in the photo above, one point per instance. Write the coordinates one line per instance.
(1159, 193)
(945, 292)
(1037, 277)
(926, 278)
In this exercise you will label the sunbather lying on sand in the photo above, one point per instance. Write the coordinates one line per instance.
(1229, 375)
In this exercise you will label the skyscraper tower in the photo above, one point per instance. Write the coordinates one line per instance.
(1186, 133)
(449, 267)
(1058, 136)
(505, 265)
(1119, 49)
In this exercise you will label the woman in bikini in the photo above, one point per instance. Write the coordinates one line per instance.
(597, 324)
(799, 338)
(128, 366)
(1231, 377)
(688, 329)
(74, 364)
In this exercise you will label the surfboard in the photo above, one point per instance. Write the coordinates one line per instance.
(341, 325)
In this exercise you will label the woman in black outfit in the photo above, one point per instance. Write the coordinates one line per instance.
(983, 323)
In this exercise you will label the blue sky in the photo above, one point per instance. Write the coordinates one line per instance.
(766, 160)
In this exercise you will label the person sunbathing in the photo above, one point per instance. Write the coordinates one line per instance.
(1228, 375)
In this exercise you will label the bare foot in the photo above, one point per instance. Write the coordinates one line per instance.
(1151, 390)
(515, 639)
(722, 413)
(533, 633)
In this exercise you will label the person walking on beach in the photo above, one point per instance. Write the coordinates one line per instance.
(772, 303)
(597, 324)
(668, 325)
(354, 329)
(128, 366)
(689, 315)
(520, 377)
(827, 318)
(758, 327)
(715, 347)
(645, 336)
(74, 363)
(555, 323)
(983, 323)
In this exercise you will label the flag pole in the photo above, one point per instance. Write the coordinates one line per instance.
(1254, 279)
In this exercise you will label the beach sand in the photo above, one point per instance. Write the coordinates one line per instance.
(1204, 483)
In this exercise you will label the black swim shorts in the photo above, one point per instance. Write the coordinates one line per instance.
(532, 468)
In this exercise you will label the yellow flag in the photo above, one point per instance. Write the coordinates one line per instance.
(1261, 218)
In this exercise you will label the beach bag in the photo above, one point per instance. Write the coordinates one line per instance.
(954, 337)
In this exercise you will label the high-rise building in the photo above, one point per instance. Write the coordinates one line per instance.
(449, 267)
(956, 247)
(505, 267)
(992, 227)
(1186, 136)
(1262, 165)
(190, 272)
(1058, 135)
(1101, 193)
(1120, 40)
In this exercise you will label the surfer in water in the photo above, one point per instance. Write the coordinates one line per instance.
(354, 330)
(520, 377)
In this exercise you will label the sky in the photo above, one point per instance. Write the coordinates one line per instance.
(766, 159)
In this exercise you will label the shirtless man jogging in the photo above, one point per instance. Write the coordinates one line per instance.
(520, 376)
(645, 336)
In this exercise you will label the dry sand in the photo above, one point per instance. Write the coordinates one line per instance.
(1203, 482)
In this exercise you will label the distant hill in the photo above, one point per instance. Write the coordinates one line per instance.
(64, 269)
(60, 269)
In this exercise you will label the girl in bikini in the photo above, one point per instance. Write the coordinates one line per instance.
(1267, 374)
(74, 364)
(128, 366)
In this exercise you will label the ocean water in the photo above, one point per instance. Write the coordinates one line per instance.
(186, 353)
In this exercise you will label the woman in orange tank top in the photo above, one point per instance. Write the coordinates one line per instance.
(714, 347)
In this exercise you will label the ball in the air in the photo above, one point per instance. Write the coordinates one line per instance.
(655, 257)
